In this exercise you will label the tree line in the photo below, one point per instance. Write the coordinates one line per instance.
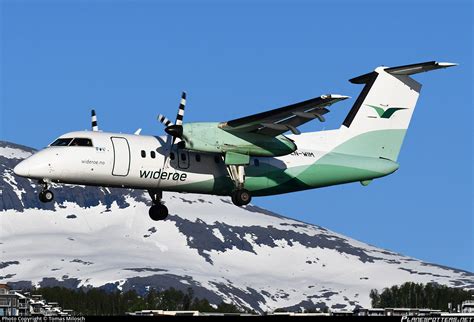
(100, 302)
(417, 295)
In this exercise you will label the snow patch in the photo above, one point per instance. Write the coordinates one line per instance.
(218, 234)
(10, 179)
(12, 153)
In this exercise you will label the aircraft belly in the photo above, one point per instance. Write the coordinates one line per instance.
(331, 169)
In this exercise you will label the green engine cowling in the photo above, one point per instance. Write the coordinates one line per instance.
(208, 137)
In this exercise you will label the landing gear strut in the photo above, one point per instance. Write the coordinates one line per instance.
(45, 194)
(240, 196)
(158, 211)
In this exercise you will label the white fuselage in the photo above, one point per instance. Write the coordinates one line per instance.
(136, 161)
(121, 160)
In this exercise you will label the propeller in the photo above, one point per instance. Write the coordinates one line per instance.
(174, 130)
(95, 126)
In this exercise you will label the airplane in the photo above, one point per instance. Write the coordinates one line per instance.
(244, 157)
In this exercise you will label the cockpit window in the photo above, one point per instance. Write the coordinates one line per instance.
(61, 142)
(81, 142)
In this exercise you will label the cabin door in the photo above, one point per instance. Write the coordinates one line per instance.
(121, 156)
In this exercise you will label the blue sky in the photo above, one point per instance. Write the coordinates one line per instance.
(131, 59)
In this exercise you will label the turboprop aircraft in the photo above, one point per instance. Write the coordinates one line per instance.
(244, 157)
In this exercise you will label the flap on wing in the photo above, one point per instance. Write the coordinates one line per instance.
(283, 119)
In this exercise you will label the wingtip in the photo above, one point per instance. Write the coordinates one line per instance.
(335, 96)
(447, 64)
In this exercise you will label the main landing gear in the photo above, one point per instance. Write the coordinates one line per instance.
(240, 196)
(158, 211)
(45, 194)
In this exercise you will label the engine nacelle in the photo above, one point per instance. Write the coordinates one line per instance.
(208, 137)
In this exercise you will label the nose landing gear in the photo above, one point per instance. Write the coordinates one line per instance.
(158, 211)
(45, 194)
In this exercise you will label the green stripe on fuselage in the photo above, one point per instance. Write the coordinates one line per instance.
(364, 157)
(381, 143)
(333, 168)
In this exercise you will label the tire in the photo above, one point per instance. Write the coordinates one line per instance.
(46, 196)
(234, 201)
(241, 197)
(158, 212)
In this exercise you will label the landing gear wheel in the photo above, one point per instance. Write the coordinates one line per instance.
(46, 196)
(158, 212)
(241, 197)
(234, 201)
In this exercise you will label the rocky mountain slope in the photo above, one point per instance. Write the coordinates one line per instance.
(99, 237)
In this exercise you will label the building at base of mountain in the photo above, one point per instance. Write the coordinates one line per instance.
(17, 303)
(357, 312)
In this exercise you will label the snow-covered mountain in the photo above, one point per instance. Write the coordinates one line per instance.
(257, 259)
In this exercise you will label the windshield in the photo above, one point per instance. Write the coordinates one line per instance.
(81, 142)
(61, 142)
(72, 142)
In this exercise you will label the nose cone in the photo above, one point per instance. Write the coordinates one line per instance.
(36, 166)
(22, 169)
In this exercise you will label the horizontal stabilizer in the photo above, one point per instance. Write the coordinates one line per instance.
(418, 68)
(404, 70)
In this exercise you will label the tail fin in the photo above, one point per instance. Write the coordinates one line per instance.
(377, 123)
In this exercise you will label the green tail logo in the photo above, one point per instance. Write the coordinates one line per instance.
(386, 114)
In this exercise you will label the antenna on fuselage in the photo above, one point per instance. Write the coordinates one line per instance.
(95, 127)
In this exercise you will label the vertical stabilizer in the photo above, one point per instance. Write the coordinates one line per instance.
(377, 123)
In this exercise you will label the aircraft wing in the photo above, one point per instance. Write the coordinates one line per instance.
(283, 119)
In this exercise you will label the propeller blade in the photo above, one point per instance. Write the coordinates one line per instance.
(168, 147)
(182, 105)
(173, 130)
(95, 127)
(163, 120)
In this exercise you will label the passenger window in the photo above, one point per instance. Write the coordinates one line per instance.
(198, 158)
(81, 142)
(217, 159)
(183, 156)
(152, 154)
(143, 154)
(256, 162)
(61, 142)
(172, 156)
